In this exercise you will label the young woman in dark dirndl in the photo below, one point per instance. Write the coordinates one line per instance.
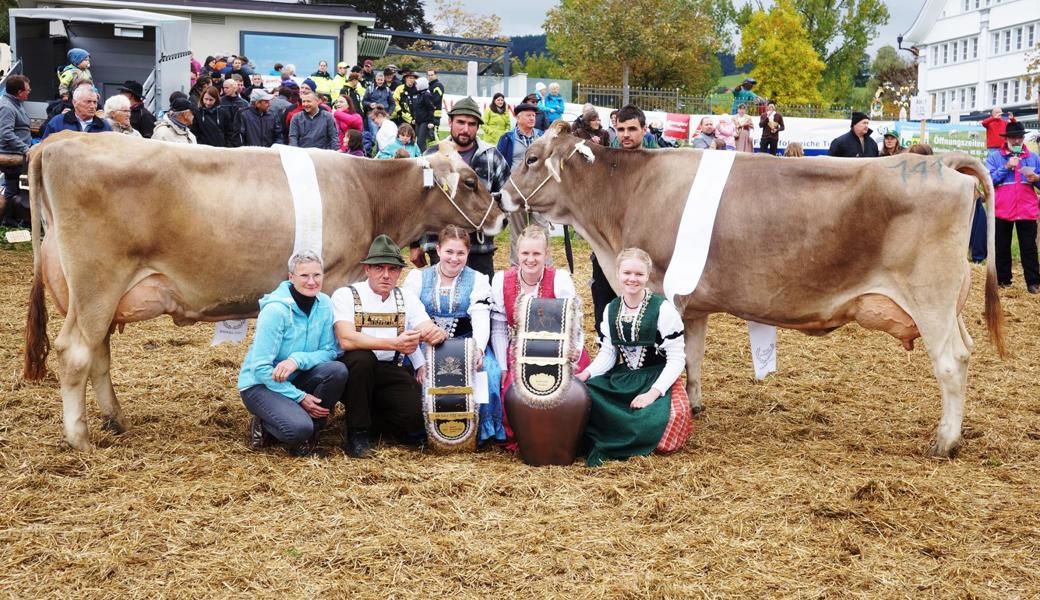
(639, 405)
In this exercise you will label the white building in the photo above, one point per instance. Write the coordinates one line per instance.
(264, 30)
(973, 55)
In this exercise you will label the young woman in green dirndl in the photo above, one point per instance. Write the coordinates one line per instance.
(638, 403)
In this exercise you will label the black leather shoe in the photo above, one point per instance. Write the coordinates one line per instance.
(358, 443)
(258, 436)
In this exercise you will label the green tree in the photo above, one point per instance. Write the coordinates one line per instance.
(787, 67)
(840, 31)
(647, 43)
(5, 25)
(543, 66)
(400, 15)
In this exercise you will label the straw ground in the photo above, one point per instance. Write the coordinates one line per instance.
(812, 484)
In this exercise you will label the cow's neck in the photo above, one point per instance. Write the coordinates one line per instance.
(600, 198)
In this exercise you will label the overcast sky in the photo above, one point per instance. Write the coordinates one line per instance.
(527, 17)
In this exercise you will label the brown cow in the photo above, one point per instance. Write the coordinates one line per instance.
(137, 229)
(808, 244)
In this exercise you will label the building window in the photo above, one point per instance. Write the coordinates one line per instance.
(1018, 38)
(1016, 87)
(946, 53)
(971, 95)
(304, 51)
(996, 43)
(964, 49)
(993, 94)
(966, 3)
(1004, 92)
(1029, 35)
(974, 47)
(942, 102)
(1007, 41)
(976, 3)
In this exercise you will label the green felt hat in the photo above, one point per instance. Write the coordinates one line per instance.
(467, 106)
(384, 251)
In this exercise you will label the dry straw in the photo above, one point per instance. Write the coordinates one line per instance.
(813, 484)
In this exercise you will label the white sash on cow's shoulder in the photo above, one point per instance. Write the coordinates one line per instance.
(306, 197)
(691, 249)
(307, 208)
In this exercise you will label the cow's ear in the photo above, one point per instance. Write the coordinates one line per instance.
(552, 163)
(449, 183)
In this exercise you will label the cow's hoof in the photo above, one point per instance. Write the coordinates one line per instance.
(939, 449)
(697, 410)
(115, 425)
(81, 443)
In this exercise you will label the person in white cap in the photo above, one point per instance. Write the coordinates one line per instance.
(258, 124)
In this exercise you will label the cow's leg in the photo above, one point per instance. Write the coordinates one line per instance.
(74, 362)
(945, 339)
(86, 329)
(696, 331)
(101, 380)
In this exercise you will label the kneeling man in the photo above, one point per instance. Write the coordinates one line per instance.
(378, 325)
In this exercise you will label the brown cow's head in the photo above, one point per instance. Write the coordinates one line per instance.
(457, 196)
(549, 170)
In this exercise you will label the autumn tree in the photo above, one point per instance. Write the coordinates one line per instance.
(647, 43)
(840, 32)
(450, 18)
(543, 66)
(786, 65)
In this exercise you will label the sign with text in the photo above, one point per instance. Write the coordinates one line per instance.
(920, 108)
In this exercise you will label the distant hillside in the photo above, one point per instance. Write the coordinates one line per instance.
(522, 45)
(730, 66)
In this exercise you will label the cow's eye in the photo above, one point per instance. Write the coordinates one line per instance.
(471, 183)
(531, 160)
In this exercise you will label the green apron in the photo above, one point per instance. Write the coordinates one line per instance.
(616, 431)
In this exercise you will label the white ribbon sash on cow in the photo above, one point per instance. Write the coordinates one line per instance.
(307, 208)
(306, 197)
(691, 248)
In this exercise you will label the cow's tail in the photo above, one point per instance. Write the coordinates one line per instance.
(37, 344)
(972, 166)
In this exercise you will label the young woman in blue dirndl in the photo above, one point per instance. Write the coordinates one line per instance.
(458, 299)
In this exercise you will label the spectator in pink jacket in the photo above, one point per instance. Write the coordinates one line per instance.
(1015, 171)
(347, 117)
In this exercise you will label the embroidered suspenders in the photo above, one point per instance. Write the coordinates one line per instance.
(380, 320)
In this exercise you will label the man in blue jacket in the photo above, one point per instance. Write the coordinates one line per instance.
(82, 117)
(15, 138)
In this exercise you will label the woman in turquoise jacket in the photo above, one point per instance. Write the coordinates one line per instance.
(290, 379)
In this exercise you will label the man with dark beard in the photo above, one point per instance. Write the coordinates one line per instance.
(492, 170)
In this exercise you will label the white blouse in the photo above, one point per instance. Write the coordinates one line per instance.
(673, 346)
(479, 302)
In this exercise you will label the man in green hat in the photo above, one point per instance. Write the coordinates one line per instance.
(379, 325)
(492, 170)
